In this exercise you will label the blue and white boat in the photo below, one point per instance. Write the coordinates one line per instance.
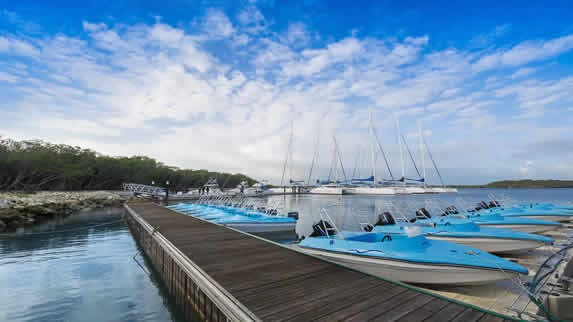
(532, 211)
(247, 220)
(411, 259)
(463, 231)
(496, 220)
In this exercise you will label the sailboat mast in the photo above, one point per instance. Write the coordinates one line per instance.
(335, 164)
(290, 150)
(422, 156)
(399, 135)
(372, 148)
(315, 155)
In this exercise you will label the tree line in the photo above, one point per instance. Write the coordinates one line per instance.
(38, 165)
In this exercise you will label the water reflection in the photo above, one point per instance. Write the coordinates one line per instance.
(80, 268)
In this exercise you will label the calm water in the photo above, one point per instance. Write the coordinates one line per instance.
(86, 271)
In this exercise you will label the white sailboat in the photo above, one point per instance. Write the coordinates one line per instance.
(373, 188)
(331, 188)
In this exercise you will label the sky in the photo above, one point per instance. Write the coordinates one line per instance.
(215, 84)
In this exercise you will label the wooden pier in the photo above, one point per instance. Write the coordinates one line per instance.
(223, 274)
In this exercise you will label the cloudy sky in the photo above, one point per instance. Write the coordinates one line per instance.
(215, 84)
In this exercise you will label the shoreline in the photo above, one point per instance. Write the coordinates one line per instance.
(27, 209)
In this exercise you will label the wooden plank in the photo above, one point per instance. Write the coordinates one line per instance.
(277, 283)
(469, 315)
(448, 313)
(435, 305)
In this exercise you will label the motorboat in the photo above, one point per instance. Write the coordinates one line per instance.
(409, 258)
(247, 220)
(496, 220)
(531, 212)
(463, 231)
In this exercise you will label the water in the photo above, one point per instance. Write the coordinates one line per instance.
(85, 272)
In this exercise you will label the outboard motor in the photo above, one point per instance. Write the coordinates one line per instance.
(322, 228)
(293, 214)
(423, 213)
(483, 204)
(385, 219)
(451, 210)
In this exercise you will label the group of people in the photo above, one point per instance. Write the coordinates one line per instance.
(204, 190)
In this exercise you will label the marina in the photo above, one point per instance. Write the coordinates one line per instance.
(282, 284)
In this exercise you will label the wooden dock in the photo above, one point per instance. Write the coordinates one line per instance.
(225, 275)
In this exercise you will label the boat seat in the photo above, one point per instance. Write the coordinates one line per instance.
(385, 219)
(423, 213)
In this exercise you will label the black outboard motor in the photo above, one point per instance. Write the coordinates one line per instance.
(322, 228)
(451, 210)
(385, 219)
(423, 213)
(293, 214)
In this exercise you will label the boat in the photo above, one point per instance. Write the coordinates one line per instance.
(463, 231)
(370, 190)
(531, 212)
(410, 259)
(247, 220)
(328, 189)
(495, 220)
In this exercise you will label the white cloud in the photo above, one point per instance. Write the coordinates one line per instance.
(229, 109)
(217, 24)
(525, 52)
(297, 34)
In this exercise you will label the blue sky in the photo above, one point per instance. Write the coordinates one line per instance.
(214, 84)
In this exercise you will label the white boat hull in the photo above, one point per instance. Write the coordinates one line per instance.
(550, 218)
(370, 191)
(263, 228)
(327, 190)
(416, 273)
(492, 245)
(524, 228)
(440, 190)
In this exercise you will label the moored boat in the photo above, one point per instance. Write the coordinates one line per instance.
(415, 259)
(247, 220)
(462, 231)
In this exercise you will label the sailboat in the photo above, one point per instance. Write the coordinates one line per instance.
(369, 186)
(409, 258)
(332, 187)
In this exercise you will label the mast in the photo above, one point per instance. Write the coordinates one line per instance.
(399, 135)
(422, 156)
(434, 163)
(286, 158)
(290, 150)
(372, 151)
(335, 165)
(315, 155)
